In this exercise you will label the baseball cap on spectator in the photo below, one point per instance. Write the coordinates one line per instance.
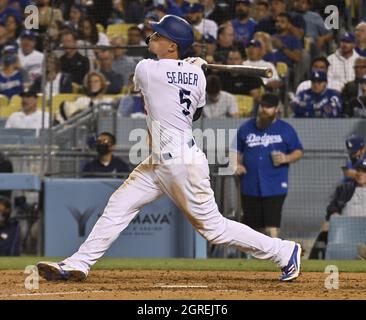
(196, 7)
(28, 34)
(348, 37)
(360, 165)
(254, 43)
(354, 143)
(318, 76)
(269, 100)
(28, 92)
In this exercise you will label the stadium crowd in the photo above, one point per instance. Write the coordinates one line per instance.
(318, 71)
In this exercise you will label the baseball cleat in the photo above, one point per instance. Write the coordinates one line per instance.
(53, 271)
(292, 270)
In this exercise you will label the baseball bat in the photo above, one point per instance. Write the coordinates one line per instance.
(245, 70)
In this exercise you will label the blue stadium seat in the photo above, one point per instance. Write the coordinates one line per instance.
(345, 234)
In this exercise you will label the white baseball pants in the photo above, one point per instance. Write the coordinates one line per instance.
(184, 177)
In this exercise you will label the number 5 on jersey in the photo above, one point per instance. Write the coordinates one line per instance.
(183, 99)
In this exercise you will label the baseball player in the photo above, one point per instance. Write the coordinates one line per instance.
(174, 93)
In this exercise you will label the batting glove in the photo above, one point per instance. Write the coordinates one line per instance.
(197, 61)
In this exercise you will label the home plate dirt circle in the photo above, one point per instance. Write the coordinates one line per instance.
(165, 284)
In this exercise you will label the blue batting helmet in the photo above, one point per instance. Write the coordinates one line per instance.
(177, 30)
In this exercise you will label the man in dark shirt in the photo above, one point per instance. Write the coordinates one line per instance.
(106, 161)
(237, 83)
(115, 80)
(72, 62)
(268, 24)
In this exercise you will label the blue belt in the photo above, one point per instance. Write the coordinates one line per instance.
(168, 155)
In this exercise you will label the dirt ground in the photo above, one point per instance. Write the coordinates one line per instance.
(182, 285)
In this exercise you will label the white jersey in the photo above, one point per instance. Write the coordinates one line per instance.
(31, 63)
(20, 120)
(173, 90)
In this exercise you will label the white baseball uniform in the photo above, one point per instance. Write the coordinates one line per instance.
(173, 90)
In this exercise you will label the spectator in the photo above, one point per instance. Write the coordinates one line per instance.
(29, 58)
(118, 13)
(352, 90)
(4, 41)
(178, 7)
(9, 230)
(72, 62)
(115, 80)
(13, 27)
(89, 33)
(122, 64)
(237, 83)
(101, 10)
(318, 101)
(5, 167)
(95, 86)
(132, 103)
(349, 199)
(243, 25)
(314, 27)
(268, 24)
(53, 40)
(360, 33)
(133, 11)
(356, 150)
(215, 12)
(320, 64)
(219, 104)
(289, 48)
(265, 147)
(45, 12)
(135, 38)
(60, 82)
(106, 161)
(225, 42)
(75, 16)
(11, 77)
(29, 117)
(343, 60)
(6, 10)
(255, 59)
(206, 47)
(357, 106)
(267, 49)
(261, 10)
(195, 17)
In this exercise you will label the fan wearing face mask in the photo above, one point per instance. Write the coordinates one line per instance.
(106, 163)
(9, 230)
